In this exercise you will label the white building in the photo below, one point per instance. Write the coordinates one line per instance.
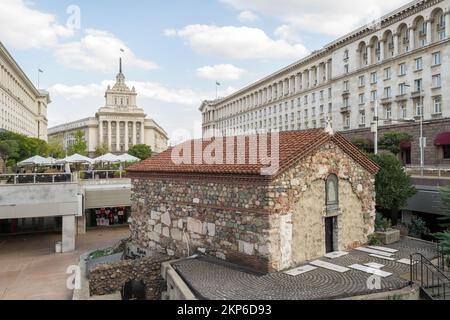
(394, 63)
(119, 125)
(23, 108)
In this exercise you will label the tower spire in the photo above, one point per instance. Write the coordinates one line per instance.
(120, 65)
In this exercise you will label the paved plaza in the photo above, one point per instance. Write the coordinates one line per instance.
(31, 270)
(213, 279)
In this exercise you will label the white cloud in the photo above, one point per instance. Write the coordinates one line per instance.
(98, 50)
(220, 72)
(247, 16)
(237, 42)
(321, 16)
(23, 27)
(151, 90)
(287, 33)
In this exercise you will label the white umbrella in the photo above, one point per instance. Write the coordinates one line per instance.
(50, 161)
(36, 160)
(77, 158)
(109, 157)
(128, 158)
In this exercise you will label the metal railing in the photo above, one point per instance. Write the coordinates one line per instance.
(434, 283)
(35, 178)
(101, 174)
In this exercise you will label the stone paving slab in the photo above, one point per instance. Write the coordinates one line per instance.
(387, 249)
(300, 270)
(219, 281)
(382, 257)
(370, 270)
(372, 251)
(329, 266)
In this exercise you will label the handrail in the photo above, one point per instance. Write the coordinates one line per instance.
(33, 178)
(92, 173)
(439, 280)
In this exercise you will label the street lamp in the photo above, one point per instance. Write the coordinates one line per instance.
(422, 140)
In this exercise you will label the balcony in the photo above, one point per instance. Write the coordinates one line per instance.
(401, 97)
(416, 94)
(386, 99)
(345, 109)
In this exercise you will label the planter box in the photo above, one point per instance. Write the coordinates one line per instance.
(388, 237)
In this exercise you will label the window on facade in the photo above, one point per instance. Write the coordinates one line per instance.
(446, 150)
(403, 111)
(418, 108)
(373, 78)
(373, 95)
(345, 85)
(362, 118)
(387, 92)
(401, 88)
(332, 190)
(437, 105)
(418, 64)
(346, 68)
(387, 73)
(330, 106)
(436, 58)
(388, 112)
(361, 98)
(361, 81)
(346, 121)
(402, 69)
(436, 80)
(345, 55)
(418, 85)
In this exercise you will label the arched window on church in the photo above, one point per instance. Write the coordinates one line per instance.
(332, 191)
(115, 101)
(121, 101)
(128, 101)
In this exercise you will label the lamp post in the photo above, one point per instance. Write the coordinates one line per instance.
(421, 139)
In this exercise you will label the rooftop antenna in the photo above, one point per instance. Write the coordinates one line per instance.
(120, 61)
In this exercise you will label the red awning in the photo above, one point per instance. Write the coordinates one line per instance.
(442, 139)
(405, 145)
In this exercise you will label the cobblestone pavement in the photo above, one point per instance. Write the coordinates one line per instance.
(213, 279)
(31, 270)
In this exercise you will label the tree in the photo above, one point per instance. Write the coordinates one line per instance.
(8, 149)
(444, 237)
(101, 150)
(26, 147)
(79, 146)
(393, 186)
(141, 151)
(364, 145)
(55, 150)
(391, 141)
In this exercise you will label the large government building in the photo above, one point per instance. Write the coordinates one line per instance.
(119, 125)
(23, 107)
(398, 64)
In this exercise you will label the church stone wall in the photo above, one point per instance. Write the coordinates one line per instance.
(255, 224)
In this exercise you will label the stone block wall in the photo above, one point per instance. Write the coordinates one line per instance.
(109, 278)
(250, 222)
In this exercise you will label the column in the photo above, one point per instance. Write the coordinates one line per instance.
(126, 136)
(142, 133)
(429, 31)
(411, 39)
(381, 50)
(369, 55)
(395, 37)
(447, 24)
(134, 133)
(326, 71)
(309, 78)
(109, 136)
(117, 136)
(68, 233)
(100, 129)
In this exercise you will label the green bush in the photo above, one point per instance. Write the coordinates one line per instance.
(374, 240)
(417, 228)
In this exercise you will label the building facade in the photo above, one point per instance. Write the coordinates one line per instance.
(321, 199)
(23, 107)
(118, 125)
(396, 66)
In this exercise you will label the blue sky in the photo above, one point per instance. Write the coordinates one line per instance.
(174, 50)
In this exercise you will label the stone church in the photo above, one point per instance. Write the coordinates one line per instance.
(320, 198)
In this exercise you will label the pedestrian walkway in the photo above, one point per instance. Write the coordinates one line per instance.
(31, 270)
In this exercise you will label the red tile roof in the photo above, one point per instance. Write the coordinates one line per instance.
(293, 146)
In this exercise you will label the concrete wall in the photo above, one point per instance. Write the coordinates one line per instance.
(39, 200)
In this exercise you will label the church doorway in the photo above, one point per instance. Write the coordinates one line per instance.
(329, 234)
